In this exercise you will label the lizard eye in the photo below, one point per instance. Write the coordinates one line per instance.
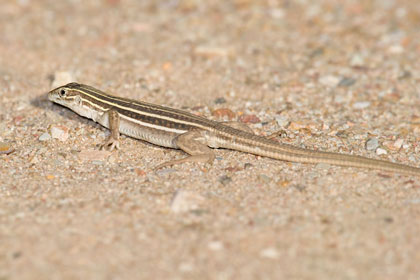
(62, 92)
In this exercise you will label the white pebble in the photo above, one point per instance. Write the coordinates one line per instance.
(330, 80)
(277, 13)
(269, 253)
(184, 201)
(282, 121)
(59, 132)
(398, 144)
(44, 137)
(396, 49)
(215, 246)
(61, 78)
(372, 144)
(380, 151)
(357, 60)
(361, 105)
(186, 267)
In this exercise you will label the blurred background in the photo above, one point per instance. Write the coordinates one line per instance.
(251, 47)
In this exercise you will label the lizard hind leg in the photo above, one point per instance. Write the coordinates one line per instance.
(198, 152)
(239, 126)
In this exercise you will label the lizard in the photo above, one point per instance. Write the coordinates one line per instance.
(195, 135)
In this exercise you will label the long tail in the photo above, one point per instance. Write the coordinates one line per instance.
(254, 144)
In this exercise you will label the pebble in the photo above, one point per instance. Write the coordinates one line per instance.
(329, 81)
(265, 178)
(62, 78)
(283, 183)
(394, 145)
(233, 169)
(185, 201)
(249, 118)
(209, 51)
(186, 267)
(59, 132)
(413, 201)
(282, 121)
(296, 125)
(44, 137)
(269, 253)
(380, 151)
(372, 144)
(277, 13)
(361, 105)
(396, 49)
(225, 179)
(215, 245)
(140, 172)
(300, 188)
(5, 148)
(167, 66)
(223, 113)
(220, 100)
(94, 155)
(248, 165)
(165, 171)
(357, 60)
(398, 144)
(346, 82)
(141, 27)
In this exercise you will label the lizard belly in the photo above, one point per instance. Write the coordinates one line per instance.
(149, 134)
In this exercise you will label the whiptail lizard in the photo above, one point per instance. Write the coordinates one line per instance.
(193, 134)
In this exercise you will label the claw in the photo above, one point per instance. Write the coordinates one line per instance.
(112, 144)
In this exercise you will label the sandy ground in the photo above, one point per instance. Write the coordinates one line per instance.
(330, 74)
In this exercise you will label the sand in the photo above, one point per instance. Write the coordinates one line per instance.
(340, 76)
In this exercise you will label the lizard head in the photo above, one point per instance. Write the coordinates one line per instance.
(67, 95)
(76, 97)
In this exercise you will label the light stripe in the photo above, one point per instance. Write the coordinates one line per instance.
(179, 131)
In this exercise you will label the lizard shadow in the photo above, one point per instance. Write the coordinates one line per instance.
(42, 102)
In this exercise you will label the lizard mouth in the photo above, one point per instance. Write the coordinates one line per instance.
(52, 96)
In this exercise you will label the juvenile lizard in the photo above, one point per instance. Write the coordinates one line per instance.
(193, 134)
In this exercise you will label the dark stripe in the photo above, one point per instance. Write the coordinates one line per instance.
(154, 120)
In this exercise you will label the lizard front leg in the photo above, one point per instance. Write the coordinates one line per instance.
(114, 126)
